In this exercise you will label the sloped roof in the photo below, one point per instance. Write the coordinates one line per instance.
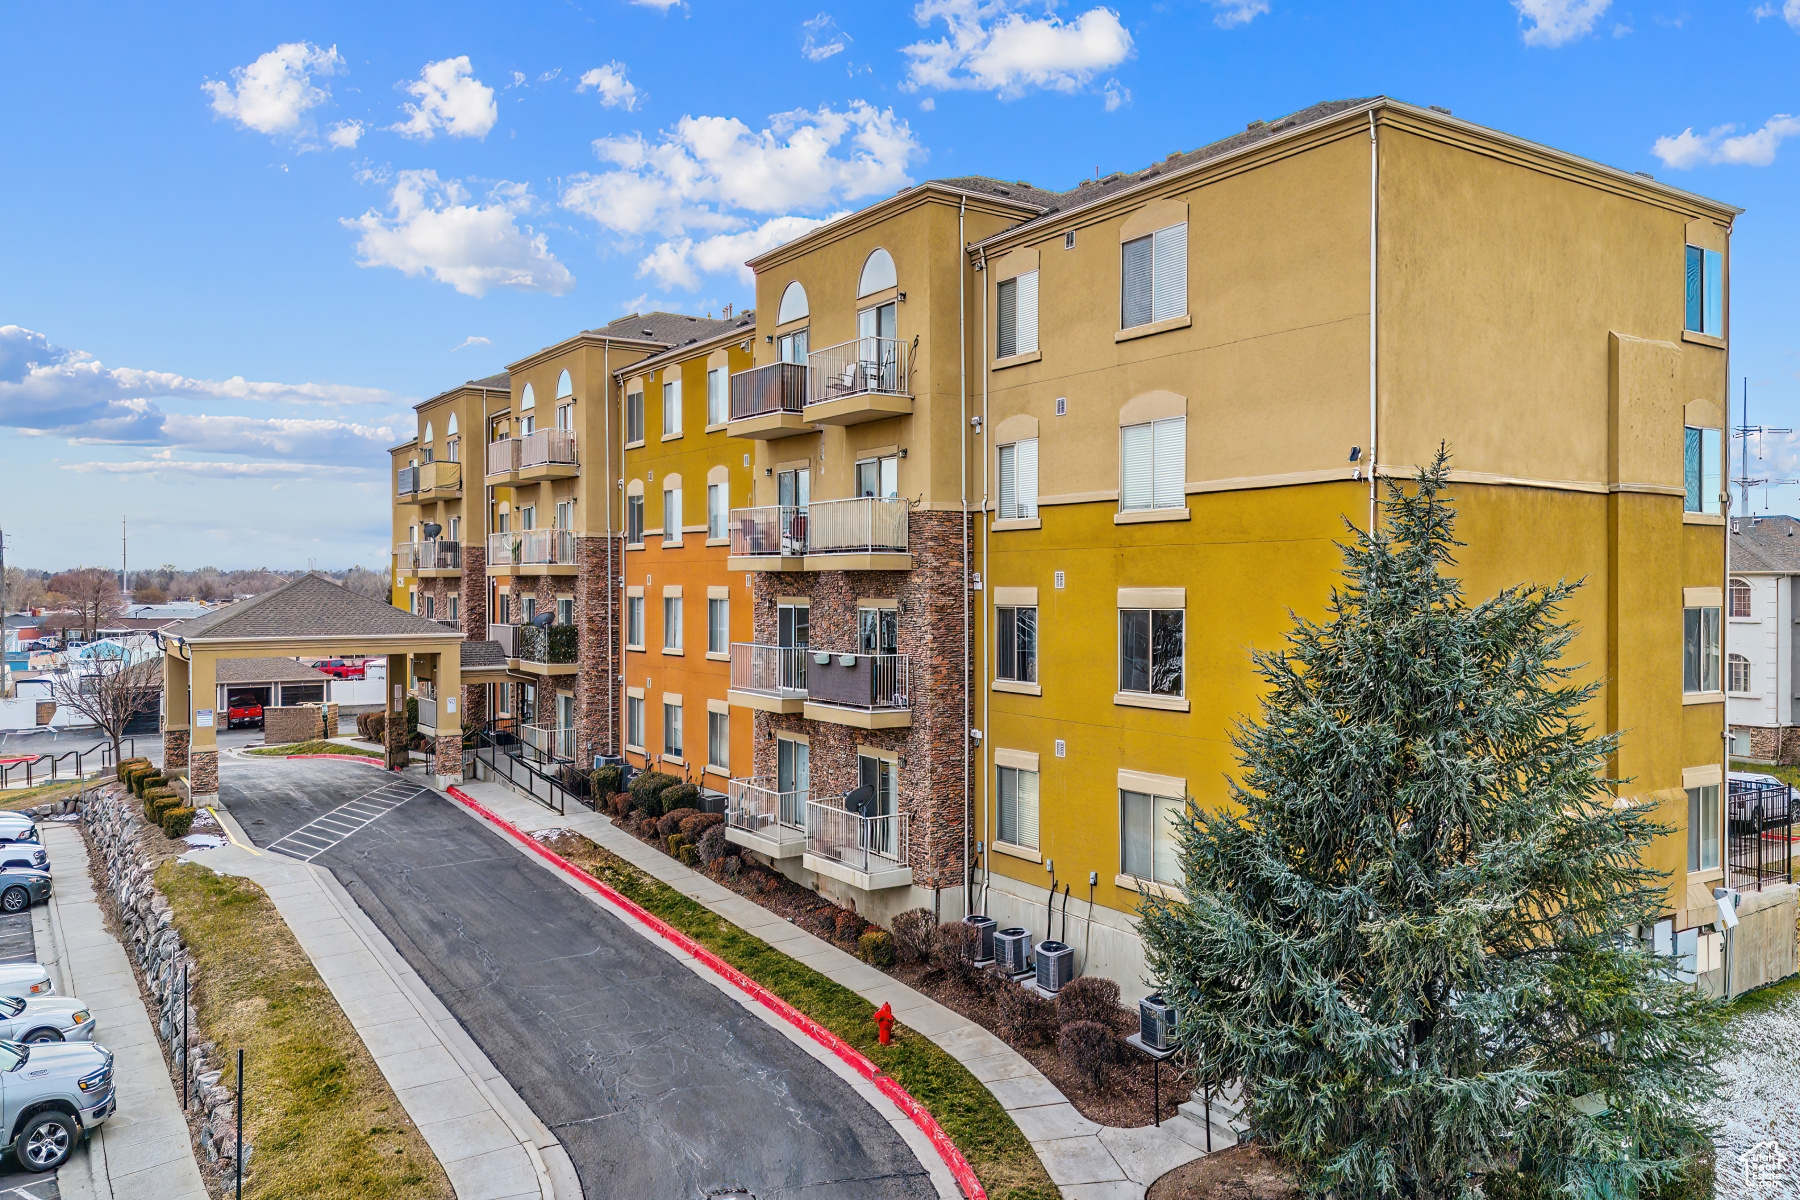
(1766, 545)
(482, 656)
(310, 606)
(671, 329)
(268, 670)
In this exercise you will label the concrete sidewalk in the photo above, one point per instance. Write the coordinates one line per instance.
(1087, 1161)
(490, 1143)
(144, 1152)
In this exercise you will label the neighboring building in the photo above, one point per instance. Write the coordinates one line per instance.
(1760, 649)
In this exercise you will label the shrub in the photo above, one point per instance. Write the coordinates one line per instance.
(682, 795)
(846, 926)
(177, 821)
(698, 824)
(912, 934)
(647, 790)
(952, 950)
(676, 844)
(143, 783)
(1022, 1016)
(876, 947)
(605, 780)
(732, 864)
(128, 775)
(573, 779)
(377, 727)
(412, 718)
(688, 856)
(670, 821)
(712, 845)
(1087, 1048)
(620, 803)
(1090, 998)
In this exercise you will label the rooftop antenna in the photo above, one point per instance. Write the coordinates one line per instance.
(1745, 431)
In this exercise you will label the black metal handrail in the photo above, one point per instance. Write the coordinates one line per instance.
(1759, 828)
(33, 765)
(500, 749)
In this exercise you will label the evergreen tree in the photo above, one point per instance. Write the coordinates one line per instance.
(1416, 935)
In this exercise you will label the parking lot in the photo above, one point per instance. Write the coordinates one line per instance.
(656, 1082)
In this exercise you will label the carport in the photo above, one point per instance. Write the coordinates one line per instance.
(270, 683)
(310, 617)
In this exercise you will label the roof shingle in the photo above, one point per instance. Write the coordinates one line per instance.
(310, 606)
(1766, 545)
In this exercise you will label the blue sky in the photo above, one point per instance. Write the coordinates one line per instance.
(236, 245)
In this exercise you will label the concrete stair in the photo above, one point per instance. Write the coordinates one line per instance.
(1225, 1117)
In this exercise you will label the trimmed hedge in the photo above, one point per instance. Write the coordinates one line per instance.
(605, 780)
(177, 821)
(876, 947)
(647, 792)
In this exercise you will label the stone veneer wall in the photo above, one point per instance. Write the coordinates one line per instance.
(203, 774)
(1772, 743)
(175, 748)
(473, 616)
(597, 680)
(932, 750)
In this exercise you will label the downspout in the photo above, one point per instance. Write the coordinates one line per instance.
(1374, 180)
(987, 611)
(1725, 604)
(612, 624)
(962, 390)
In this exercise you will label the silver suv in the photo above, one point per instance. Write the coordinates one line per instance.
(51, 1095)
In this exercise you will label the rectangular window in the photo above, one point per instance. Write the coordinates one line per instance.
(455, 528)
(718, 625)
(1703, 827)
(1153, 277)
(792, 347)
(1147, 837)
(1700, 469)
(1015, 645)
(453, 608)
(672, 517)
(672, 729)
(718, 740)
(1737, 673)
(671, 407)
(1018, 317)
(1699, 649)
(718, 397)
(671, 622)
(878, 630)
(1150, 650)
(528, 517)
(530, 608)
(1706, 291)
(1016, 796)
(878, 476)
(634, 722)
(634, 417)
(634, 520)
(565, 416)
(565, 514)
(1018, 480)
(717, 513)
(634, 622)
(565, 611)
(1153, 464)
(430, 607)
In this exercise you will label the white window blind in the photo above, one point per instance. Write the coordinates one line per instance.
(1153, 464)
(1153, 280)
(717, 408)
(1135, 283)
(1018, 480)
(672, 515)
(672, 407)
(1018, 796)
(715, 510)
(1018, 315)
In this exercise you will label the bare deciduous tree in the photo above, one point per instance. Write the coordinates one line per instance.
(109, 691)
(91, 592)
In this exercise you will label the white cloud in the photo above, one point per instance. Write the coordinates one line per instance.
(471, 247)
(1557, 22)
(661, 5)
(450, 98)
(1688, 149)
(824, 38)
(1789, 12)
(615, 90)
(1117, 95)
(345, 134)
(991, 46)
(188, 469)
(1237, 12)
(472, 340)
(273, 94)
(682, 261)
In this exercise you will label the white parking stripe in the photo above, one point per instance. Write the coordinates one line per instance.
(323, 832)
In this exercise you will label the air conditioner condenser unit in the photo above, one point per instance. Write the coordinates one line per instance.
(1012, 947)
(1055, 966)
(984, 949)
(1156, 1022)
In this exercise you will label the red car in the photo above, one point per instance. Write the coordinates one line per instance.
(243, 714)
(337, 668)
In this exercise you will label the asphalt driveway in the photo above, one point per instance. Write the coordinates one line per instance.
(657, 1083)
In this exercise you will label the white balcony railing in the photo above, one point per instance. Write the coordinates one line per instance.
(858, 367)
(865, 844)
(550, 741)
(531, 547)
(427, 712)
(406, 556)
(507, 636)
(862, 525)
(770, 670)
(428, 556)
(757, 807)
(503, 456)
(865, 681)
(547, 446)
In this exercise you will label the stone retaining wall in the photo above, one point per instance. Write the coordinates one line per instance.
(112, 821)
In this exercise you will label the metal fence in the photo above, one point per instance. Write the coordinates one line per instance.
(507, 636)
(428, 556)
(862, 525)
(857, 367)
(428, 715)
(775, 387)
(531, 547)
(770, 529)
(547, 446)
(408, 483)
(1759, 825)
(503, 456)
(550, 741)
(28, 770)
(866, 844)
(496, 754)
(758, 806)
(771, 670)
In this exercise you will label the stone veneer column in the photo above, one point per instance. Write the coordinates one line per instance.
(600, 612)
(175, 749)
(447, 760)
(472, 607)
(203, 776)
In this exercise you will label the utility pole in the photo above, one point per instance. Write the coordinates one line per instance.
(124, 585)
(1744, 432)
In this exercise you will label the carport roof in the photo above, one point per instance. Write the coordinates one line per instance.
(483, 656)
(310, 606)
(267, 670)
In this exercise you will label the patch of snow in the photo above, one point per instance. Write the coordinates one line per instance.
(1759, 1134)
(204, 841)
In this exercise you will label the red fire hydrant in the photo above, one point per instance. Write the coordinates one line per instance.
(884, 1023)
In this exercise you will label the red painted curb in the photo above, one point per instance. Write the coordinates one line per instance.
(851, 1056)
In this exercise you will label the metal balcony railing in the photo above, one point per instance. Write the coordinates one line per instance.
(428, 556)
(550, 741)
(408, 484)
(547, 446)
(866, 681)
(773, 529)
(863, 525)
(760, 807)
(531, 547)
(507, 636)
(443, 473)
(503, 456)
(406, 556)
(866, 844)
(428, 716)
(770, 670)
(774, 387)
(857, 367)
(556, 644)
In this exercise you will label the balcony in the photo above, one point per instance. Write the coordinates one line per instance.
(548, 651)
(769, 678)
(550, 741)
(429, 560)
(531, 552)
(760, 817)
(541, 454)
(440, 480)
(865, 691)
(508, 637)
(867, 533)
(428, 715)
(864, 379)
(767, 401)
(870, 853)
(407, 487)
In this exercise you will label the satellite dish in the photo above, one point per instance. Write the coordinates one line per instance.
(860, 800)
(543, 620)
(432, 530)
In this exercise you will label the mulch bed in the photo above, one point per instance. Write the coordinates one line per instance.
(1245, 1172)
(1124, 1098)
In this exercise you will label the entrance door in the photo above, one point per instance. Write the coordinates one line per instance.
(793, 631)
(793, 492)
(882, 774)
(793, 779)
(879, 352)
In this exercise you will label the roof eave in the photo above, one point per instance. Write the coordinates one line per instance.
(684, 351)
(908, 197)
(585, 337)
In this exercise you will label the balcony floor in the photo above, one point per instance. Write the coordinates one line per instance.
(765, 702)
(768, 426)
(858, 718)
(778, 563)
(538, 668)
(854, 410)
(795, 843)
(790, 564)
(509, 569)
(436, 572)
(868, 881)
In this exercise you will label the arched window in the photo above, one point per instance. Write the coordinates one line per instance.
(793, 304)
(877, 273)
(563, 386)
(1740, 594)
(1737, 673)
(450, 429)
(527, 400)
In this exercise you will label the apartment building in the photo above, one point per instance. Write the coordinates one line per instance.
(1761, 652)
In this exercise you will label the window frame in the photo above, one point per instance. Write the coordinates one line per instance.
(1016, 315)
(634, 519)
(1150, 618)
(1008, 657)
(1704, 833)
(1002, 795)
(1739, 588)
(634, 622)
(1161, 834)
(1737, 665)
(634, 418)
(672, 621)
(718, 625)
(1167, 435)
(673, 741)
(671, 407)
(718, 511)
(1702, 658)
(718, 749)
(1704, 288)
(1017, 467)
(1162, 246)
(634, 723)
(671, 535)
(718, 395)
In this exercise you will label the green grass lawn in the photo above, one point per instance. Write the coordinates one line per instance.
(314, 747)
(1787, 775)
(1003, 1160)
(322, 1120)
(42, 794)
